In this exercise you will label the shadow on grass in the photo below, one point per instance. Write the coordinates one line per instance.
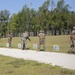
(41, 50)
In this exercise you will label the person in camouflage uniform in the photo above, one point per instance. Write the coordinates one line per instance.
(10, 39)
(24, 37)
(0, 36)
(41, 36)
(72, 41)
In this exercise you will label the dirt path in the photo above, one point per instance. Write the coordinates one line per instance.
(60, 59)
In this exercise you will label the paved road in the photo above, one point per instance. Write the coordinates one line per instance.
(60, 59)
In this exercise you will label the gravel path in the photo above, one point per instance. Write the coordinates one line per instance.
(60, 59)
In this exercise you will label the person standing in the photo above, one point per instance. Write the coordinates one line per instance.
(72, 41)
(41, 36)
(10, 39)
(0, 36)
(24, 37)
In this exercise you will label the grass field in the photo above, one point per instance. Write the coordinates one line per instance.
(13, 66)
(62, 41)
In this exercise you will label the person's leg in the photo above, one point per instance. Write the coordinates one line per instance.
(23, 43)
(9, 43)
(71, 48)
(39, 46)
(44, 45)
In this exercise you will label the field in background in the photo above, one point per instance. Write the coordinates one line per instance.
(62, 41)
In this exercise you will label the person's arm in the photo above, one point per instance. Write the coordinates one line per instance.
(28, 38)
(70, 39)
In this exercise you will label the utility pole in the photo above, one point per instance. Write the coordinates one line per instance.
(30, 8)
(52, 5)
(30, 5)
(28, 18)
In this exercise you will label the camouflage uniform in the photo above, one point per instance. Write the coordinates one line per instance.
(72, 41)
(24, 37)
(0, 36)
(41, 40)
(9, 39)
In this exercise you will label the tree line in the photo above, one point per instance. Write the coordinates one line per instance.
(50, 17)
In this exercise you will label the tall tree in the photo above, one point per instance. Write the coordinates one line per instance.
(61, 11)
(4, 19)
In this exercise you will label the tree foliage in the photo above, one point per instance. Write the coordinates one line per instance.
(58, 18)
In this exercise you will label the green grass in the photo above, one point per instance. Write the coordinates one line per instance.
(62, 41)
(13, 66)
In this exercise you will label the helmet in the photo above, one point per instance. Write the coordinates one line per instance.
(41, 31)
(74, 27)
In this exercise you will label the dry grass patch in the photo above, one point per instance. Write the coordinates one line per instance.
(62, 41)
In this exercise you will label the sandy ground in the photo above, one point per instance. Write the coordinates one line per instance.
(59, 59)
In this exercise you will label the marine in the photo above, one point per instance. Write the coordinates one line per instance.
(41, 36)
(24, 37)
(10, 38)
(72, 41)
